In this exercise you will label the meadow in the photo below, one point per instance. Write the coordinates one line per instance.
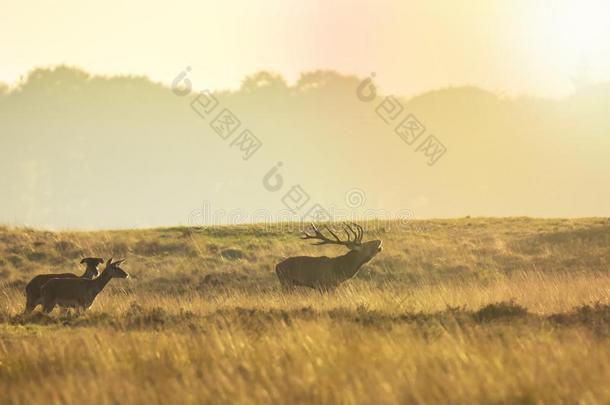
(469, 310)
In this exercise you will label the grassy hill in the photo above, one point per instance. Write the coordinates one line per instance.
(466, 310)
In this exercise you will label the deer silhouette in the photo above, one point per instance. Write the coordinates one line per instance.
(33, 290)
(78, 293)
(326, 273)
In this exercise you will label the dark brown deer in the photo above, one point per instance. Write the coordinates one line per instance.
(326, 273)
(78, 293)
(33, 291)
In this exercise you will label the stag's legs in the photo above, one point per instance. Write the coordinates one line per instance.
(288, 287)
(325, 288)
(30, 305)
(48, 306)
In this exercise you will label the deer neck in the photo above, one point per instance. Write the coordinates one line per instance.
(100, 282)
(350, 263)
(89, 271)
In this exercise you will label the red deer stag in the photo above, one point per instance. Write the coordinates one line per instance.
(33, 291)
(78, 293)
(326, 273)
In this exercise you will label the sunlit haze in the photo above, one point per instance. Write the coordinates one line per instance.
(372, 109)
(518, 47)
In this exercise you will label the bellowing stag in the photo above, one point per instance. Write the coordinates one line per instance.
(326, 273)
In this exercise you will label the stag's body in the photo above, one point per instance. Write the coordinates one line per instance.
(326, 273)
(78, 293)
(33, 290)
(322, 273)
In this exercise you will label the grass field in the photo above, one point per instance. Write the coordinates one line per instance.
(470, 310)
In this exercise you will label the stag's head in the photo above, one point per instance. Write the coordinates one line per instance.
(114, 270)
(353, 240)
(92, 263)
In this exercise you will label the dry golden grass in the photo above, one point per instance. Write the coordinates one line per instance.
(452, 311)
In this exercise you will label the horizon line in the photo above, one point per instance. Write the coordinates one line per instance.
(405, 223)
(501, 94)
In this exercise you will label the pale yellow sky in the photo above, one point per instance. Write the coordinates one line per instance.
(515, 47)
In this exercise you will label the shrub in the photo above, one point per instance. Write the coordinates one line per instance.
(500, 310)
(232, 254)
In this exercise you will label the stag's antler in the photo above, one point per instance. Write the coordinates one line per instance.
(349, 231)
(360, 232)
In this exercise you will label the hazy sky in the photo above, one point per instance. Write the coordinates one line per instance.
(518, 46)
